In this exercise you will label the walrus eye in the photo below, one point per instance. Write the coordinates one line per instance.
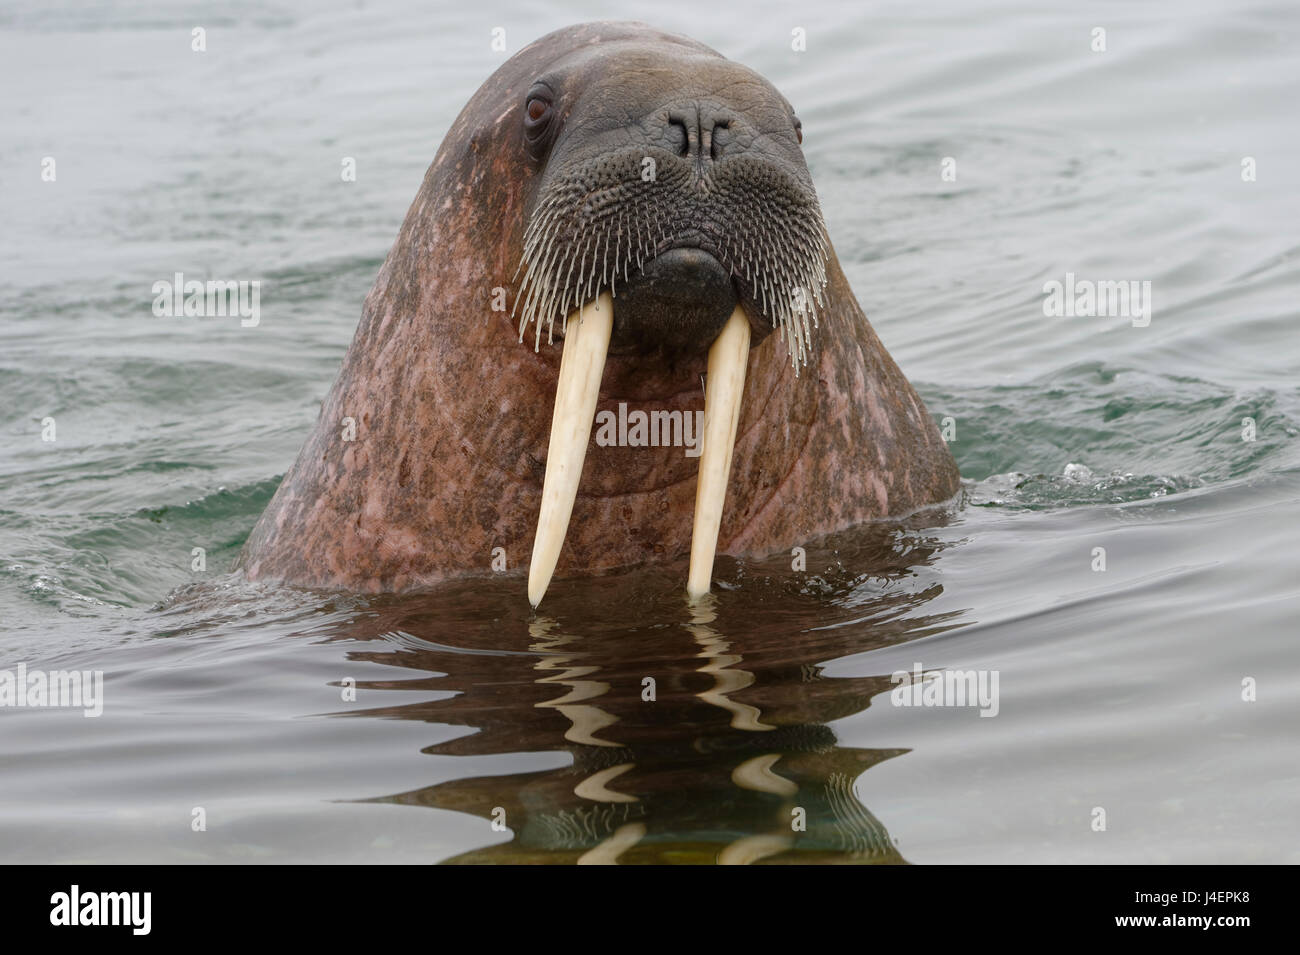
(539, 110)
(798, 130)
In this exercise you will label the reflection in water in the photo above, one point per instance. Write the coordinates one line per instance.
(697, 735)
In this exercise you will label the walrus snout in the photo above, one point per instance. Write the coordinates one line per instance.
(675, 181)
(677, 303)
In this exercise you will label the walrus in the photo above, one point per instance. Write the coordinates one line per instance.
(619, 218)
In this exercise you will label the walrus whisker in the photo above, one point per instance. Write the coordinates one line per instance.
(588, 229)
(568, 284)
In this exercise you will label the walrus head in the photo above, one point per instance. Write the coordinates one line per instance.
(642, 203)
(674, 180)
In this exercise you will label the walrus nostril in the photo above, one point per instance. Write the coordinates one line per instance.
(679, 135)
(697, 133)
(718, 138)
(684, 130)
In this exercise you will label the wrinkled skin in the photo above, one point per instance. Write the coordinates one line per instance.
(453, 413)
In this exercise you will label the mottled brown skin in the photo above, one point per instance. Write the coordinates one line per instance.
(453, 413)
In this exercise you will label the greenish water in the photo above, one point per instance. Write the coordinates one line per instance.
(1120, 688)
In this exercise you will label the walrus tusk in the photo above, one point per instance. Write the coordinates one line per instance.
(582, 362)
(728, 356)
